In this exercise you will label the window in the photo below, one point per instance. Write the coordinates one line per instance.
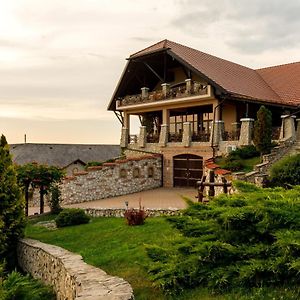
(136, 173)
(123, 173)
(150, 172)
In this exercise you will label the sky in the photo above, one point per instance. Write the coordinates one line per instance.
(61, 60)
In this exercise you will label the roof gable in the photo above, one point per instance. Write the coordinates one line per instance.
(278, 85)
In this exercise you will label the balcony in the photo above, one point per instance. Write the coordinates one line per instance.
(178, 91)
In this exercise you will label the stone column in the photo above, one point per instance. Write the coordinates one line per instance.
(163, 137)
(165, 89)
(142, 137)
(246, 132)
(188, 83)
(187, 135)
(287, 130)
(145, 92)
(124, 137)
(217, 132)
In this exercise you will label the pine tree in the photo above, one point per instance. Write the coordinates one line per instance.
(11, 207)
(263, 130)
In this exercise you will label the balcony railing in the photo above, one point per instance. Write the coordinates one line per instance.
(132, 139)
(175, 137)
(152, 138)
(179, 91)
(200, 137)
(231, 135)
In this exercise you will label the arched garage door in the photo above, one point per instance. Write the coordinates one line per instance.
(187, 169)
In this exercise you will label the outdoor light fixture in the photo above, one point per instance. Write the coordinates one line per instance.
(126, 204)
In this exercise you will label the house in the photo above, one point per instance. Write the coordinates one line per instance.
(193, 106)
(70, 157)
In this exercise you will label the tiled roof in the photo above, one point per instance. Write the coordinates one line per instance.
(284, 80)
(62, 155)
(280, 85)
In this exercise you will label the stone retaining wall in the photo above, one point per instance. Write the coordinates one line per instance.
(69, 275)
(113, 179)
(119, 212)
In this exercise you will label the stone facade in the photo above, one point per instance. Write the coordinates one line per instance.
(69, 275)
(113, 179)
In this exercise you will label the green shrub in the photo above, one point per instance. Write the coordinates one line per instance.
(245, 152)
(286, 172)
(233, 165)
(71, 216)
(12, 219)
(249, 239)
(263, 130)
(55, 200)
(19, 287)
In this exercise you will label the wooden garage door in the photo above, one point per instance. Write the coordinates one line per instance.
(188, 169)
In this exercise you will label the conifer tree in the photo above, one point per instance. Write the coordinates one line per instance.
(263, 130)
(11, 207)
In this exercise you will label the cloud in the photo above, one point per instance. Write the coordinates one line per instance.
(246, 26)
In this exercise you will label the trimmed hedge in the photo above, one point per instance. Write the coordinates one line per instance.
(71, 216)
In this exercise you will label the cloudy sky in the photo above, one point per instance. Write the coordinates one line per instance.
(60, 60)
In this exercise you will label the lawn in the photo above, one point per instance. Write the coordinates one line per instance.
(118, 249)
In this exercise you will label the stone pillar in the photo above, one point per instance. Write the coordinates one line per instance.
(163, 137)
(188, 83)
(165, 89)
(217, 132)
(124, 137)
(298, 130)
(287, 130)
(145, 92)
(187, 134)
(142, 137)
(246, 132)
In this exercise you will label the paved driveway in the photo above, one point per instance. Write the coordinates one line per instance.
(157, 198)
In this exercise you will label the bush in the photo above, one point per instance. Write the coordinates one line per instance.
(17, 286)
(263, 130)
(246, 240)
(135, 216)
(245, 152)
(71, 216)
(12, 219)
(286, 172)
(233, 165)
(55, 200)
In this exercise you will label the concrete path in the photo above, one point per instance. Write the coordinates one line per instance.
(157, 198)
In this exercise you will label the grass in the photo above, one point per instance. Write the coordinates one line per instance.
(119, 249)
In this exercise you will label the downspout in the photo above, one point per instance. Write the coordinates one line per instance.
(213, 128)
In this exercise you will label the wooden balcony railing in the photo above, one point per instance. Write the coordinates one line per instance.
(152, 138)
(201, 137)
(175, 137)
(179, 91)
(231, 135)
(132, 139)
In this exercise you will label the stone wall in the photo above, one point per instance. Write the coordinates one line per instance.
(69, 275)
(113, 179)
(119, 212)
